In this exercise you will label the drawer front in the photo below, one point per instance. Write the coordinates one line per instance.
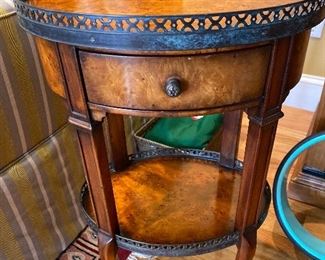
(175, 83)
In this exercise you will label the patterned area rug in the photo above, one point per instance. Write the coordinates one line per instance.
(85, 247)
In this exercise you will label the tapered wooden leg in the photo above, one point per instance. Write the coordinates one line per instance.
(230, 138)
(257, 156)
(100, 186)
(93, 151)
(107, 246)
(117, 141)
(247, 245)
(263, 122)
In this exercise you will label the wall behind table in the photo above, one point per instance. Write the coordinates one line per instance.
(315, 60)
(308, 91)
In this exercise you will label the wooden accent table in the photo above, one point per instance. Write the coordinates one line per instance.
(174, 58)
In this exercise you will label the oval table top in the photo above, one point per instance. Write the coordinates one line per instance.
(160, 25)
(156, 7)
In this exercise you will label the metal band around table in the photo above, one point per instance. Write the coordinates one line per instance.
(163, 33)
(201, 247)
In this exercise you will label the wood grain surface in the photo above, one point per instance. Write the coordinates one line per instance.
(207, 81)
(230, 138)
(175, 200)
(156, 7)
(50, 60)
(271, 241)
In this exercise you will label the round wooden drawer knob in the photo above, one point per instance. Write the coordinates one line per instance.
(173, 87)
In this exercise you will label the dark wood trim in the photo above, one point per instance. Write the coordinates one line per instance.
(230, 138)
(260, 139)
(95, 158)
(175, 113)
(93, 152)
(75, 93)
(117, 141)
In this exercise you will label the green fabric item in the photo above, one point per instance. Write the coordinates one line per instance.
(185, 132)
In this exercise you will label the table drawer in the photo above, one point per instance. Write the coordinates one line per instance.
(175, 83)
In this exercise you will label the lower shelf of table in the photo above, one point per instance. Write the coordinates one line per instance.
(177, 204)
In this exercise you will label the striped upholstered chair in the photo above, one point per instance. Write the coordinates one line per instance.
(40, 177)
